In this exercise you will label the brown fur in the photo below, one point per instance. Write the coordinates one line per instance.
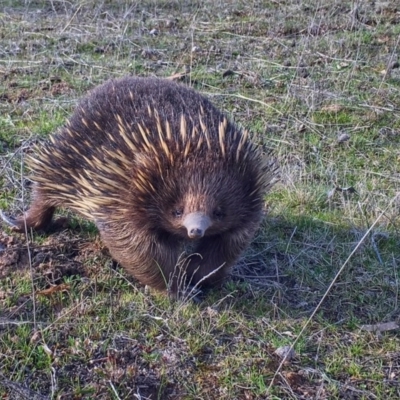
(138, 157)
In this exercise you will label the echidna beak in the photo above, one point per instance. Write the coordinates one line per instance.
(196, 224)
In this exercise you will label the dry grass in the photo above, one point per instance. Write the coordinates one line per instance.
(319, 83)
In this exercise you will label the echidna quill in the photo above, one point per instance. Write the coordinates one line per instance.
(159, 170)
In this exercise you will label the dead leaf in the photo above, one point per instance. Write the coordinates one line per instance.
(47, 349)
(382, 327)
(54, 289)
(332, 108)
(36, 337)
(178, 76)
(8, 259)
(294, 379)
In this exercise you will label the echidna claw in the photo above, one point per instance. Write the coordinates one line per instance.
(9, 221)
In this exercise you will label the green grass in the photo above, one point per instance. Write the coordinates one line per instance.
(303, 74)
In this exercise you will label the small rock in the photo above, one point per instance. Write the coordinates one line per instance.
(286, 352)
(170, 23)
(343, 137)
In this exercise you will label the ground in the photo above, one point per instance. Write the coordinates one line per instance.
(317, 82)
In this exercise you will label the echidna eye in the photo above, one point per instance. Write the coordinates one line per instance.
(218, 214)
(177, 213)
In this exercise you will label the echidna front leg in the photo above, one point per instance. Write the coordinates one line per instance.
(216, 254)
(148, 257)
(38, 217)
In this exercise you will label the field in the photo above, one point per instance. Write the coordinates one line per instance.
(311, 311)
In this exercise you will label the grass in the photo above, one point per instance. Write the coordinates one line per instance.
(319, 83)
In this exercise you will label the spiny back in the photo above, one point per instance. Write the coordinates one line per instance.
(140, 135)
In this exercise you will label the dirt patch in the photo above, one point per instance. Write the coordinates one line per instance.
(13, 93)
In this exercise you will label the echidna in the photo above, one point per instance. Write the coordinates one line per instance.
(159, 170)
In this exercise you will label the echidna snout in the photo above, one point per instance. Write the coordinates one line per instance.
(196, 224)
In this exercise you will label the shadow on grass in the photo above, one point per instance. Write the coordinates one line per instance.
(285, 272)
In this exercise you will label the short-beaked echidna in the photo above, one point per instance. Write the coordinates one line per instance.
(159, 170)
